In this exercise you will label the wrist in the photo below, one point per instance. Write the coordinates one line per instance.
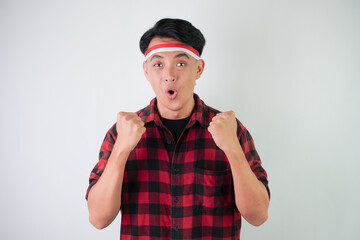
(232, 147)
(234, 152)
(121, 148)
(119, 154)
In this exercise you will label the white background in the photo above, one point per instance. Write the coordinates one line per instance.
(289, 69)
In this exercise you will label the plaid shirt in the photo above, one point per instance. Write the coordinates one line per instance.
(185, 192)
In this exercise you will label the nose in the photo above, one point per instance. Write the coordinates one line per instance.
(169, 74)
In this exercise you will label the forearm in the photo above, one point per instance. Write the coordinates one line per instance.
(104, 198)
(251, 196)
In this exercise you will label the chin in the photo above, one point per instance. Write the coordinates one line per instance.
(174, 106)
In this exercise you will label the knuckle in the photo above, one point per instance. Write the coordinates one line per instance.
(122, 115)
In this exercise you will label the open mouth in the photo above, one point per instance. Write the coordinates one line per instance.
(171, 93)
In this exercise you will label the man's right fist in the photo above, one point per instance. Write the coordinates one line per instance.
(130, 128)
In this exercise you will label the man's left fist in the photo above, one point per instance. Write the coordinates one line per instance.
(223, 130)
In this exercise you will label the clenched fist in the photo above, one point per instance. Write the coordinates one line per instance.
(223, 130)
(130, 128)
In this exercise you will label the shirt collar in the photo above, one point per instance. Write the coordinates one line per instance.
(199, 114)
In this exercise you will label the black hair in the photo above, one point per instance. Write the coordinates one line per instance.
(178, 29)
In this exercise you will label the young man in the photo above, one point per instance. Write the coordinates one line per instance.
(178, 168)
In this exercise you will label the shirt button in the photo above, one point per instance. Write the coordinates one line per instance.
(176, 229)
(176, 170)
(176, 199)
(169, 142)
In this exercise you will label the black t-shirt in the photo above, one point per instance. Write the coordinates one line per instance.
(176, 126)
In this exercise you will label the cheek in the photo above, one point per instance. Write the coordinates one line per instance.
(156, 85)
(154, 75)
(193, 73)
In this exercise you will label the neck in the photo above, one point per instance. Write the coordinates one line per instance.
(180, 113)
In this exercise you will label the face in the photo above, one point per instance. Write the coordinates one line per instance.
(172, 76)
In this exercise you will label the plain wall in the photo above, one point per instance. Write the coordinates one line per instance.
(289, 69)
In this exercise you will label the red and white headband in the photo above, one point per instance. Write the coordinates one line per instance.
(172, 47)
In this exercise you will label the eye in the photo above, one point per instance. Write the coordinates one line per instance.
(158, 65)
(181, 64)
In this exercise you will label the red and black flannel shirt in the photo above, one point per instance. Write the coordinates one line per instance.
(185, 192)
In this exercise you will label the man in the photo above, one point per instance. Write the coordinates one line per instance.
(178, 168)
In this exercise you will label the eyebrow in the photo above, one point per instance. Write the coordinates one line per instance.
(155, 56)
(177, 56)
(182, 55)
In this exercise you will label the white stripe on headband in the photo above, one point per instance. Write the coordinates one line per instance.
(172, 47)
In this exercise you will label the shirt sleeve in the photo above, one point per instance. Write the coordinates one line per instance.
(104, 155)
(248, 146)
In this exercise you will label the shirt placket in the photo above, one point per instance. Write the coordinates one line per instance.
(176, 188)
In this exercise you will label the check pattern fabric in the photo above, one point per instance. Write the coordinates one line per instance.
(185, 192)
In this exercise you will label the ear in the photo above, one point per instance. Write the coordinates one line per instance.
(200, 68)
(145, 69)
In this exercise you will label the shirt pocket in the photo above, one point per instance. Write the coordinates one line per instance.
(214, 189)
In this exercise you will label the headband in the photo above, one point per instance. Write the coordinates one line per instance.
(172, 47)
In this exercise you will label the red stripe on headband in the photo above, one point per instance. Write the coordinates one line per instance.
(166, 45)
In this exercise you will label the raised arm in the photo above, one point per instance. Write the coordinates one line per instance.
(251, 196)
(104, 198)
